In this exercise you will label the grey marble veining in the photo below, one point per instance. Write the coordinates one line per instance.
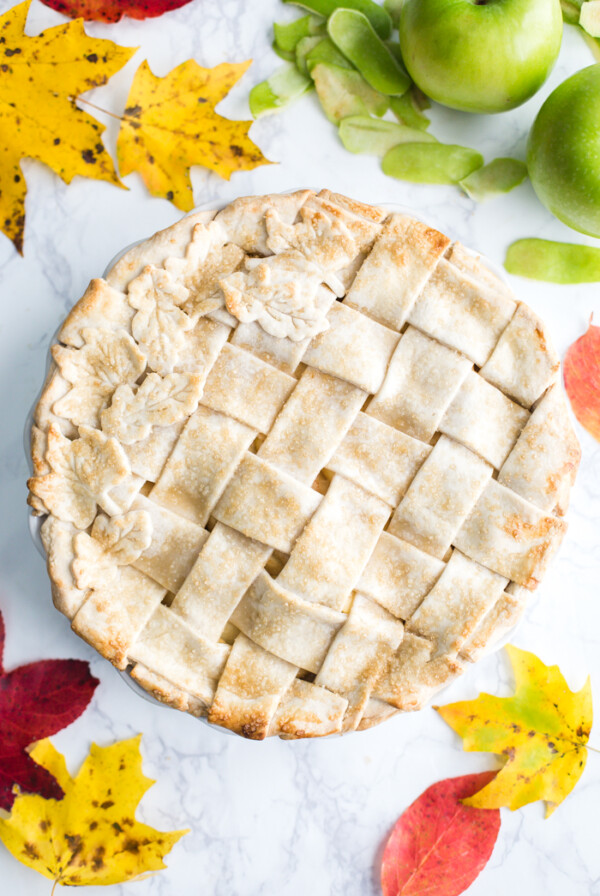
(276, 817)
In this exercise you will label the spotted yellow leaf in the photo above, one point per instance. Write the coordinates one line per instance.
(91, 836)
(40, 78)
(541, 732)
(170, 124)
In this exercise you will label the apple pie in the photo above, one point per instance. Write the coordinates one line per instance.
(301, 461)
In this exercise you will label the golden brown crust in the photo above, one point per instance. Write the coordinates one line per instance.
(414, 674)
(168, 243)
(161, 689)
(57, 538)
(367, 493)
(100, 306)
(546, 456)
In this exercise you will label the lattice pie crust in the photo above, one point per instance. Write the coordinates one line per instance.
(302, 460)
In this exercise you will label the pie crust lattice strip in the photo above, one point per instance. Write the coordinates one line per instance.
(301, 461)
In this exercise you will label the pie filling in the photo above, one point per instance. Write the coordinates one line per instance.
(300, 461)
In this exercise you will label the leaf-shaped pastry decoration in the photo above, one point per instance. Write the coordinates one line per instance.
(159, 325)
(207, 259)
(124, 537)
(106, 359)
(93, 567)
(83, 472)
(157, 402)
(114, 542)
(279, 292)
(322, 238)
(91, 836)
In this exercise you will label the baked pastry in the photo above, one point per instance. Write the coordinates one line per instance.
(301, 460)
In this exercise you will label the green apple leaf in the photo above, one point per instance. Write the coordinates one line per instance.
(362, 134)
(377, 15)
(343, 93)
(408, 109)
(499, 176)
(353, 34)
(431, 163)
(284, 86)
(553, 262)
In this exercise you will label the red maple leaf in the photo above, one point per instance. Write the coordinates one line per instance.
(438, 846)
(37, 700)
(113, 10)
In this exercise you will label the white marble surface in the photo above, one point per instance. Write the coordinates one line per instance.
(277, 817)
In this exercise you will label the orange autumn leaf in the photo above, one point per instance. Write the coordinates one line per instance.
(41, 78)
(582, 379)
(170, 124)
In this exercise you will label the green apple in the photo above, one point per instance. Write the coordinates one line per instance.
(480, 55)
(563, 154)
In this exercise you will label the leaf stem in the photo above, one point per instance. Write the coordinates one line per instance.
(54, 886)
(80, 99)
(593, 749)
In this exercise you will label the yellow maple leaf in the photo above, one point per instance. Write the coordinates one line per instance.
(170, 124)
(40, 77)
(541, 731)
(91, 836)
